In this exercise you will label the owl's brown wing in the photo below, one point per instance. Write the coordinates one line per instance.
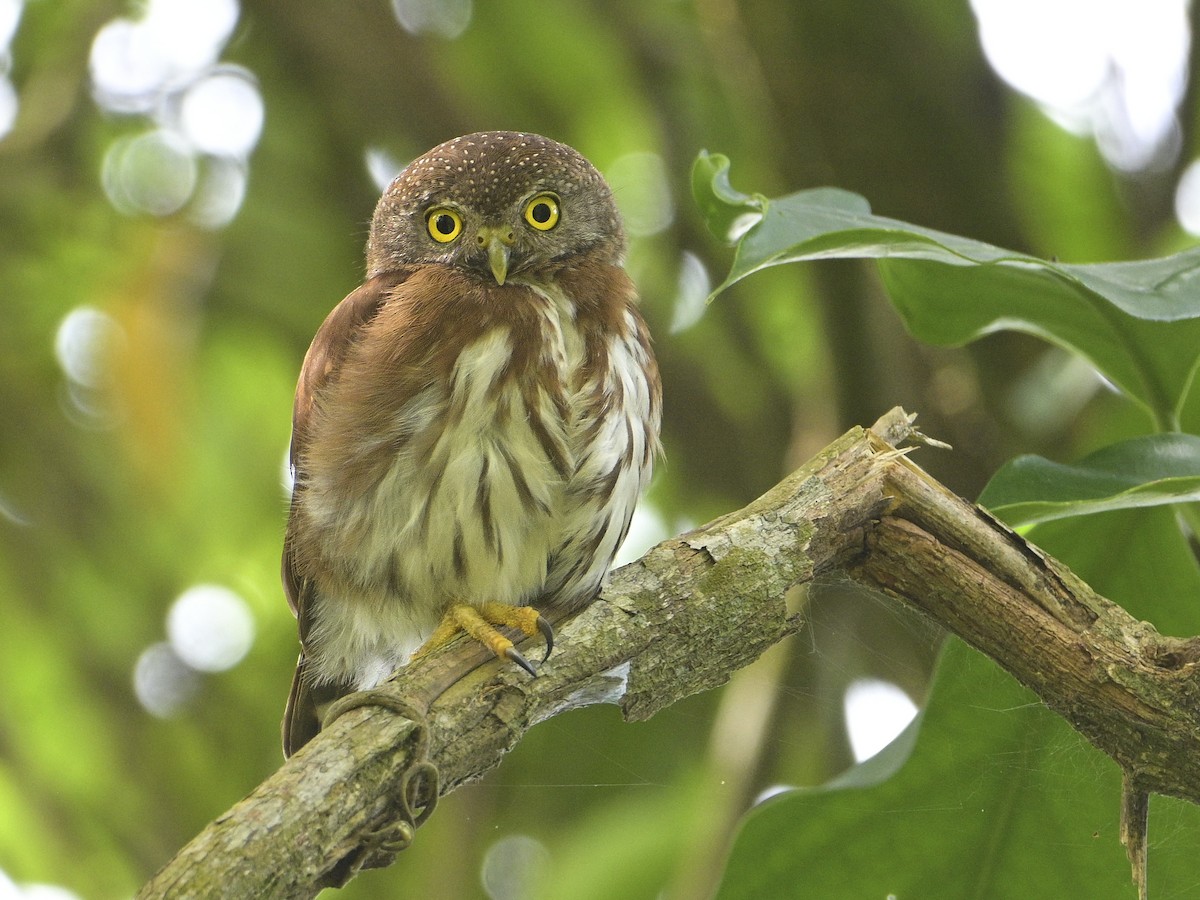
(325, 355)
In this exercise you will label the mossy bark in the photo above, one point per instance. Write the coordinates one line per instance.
(685, 616)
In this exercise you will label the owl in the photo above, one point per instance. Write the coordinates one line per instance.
(473, 425)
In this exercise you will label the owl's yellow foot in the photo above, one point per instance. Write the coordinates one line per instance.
(480, 621)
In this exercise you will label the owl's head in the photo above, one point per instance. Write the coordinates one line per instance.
(500, 204)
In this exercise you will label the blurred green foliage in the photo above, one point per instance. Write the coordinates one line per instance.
(162, 469)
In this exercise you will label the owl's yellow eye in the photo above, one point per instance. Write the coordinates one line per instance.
(542, 212)
(444, 224)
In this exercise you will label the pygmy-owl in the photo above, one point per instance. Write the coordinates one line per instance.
(473, 425)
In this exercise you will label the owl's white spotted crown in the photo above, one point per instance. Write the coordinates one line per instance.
(486, 176)
(493, 168)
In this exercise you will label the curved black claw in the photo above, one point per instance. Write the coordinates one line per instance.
(547, 631)
(515, 655)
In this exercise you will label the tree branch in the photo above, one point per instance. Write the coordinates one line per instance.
(683, 618)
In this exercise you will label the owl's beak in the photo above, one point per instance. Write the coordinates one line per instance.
(498, 243)
(498, 259)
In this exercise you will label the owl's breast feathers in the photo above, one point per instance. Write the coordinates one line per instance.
(458, 441)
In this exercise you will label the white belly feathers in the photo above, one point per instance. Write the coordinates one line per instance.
(499, 481)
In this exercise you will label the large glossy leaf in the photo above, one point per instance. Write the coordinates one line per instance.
(1152, 470)
(1108, 517)
(999, 799)
(1138, 322)
(1138, 558)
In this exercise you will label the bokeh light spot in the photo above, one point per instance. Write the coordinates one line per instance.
(1116, 68)
(1187, 198)
(222, 113)
(643, 193)
(381, 166)
(876, 712)
(127, 69)
(85, 344)
(646, 528)
(8, 887)
(10, 512)
(9, 105)
(94, 409)
(46, 892)
(220, 193)
(188, 33)
(162, 681)
(163, 65)
(691, 296)
(153, 173)
(513, 866)
(135, 61)
(10, 17)
(287, 475)
(445, 18)
(210, 628)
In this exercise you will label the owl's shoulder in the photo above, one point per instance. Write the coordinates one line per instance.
(334, 339)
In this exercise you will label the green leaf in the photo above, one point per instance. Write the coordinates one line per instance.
(726, 211)
(1152, 362)
(1137, 322)
(1138, 558)
(830, 223)
(1151, 470)
(1000, 799)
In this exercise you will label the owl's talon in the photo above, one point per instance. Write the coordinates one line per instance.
(480, 623)
(547, 631)
(515, 655)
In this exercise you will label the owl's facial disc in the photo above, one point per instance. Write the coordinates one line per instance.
(540, 214)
